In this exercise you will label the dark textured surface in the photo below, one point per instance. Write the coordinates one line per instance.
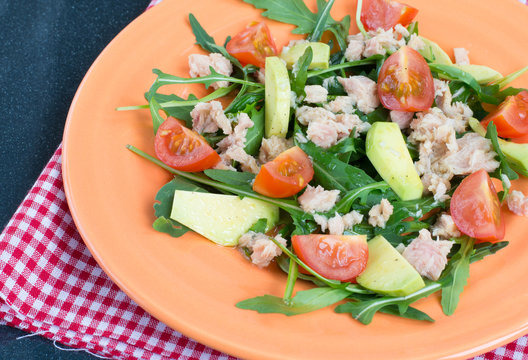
(46, 47)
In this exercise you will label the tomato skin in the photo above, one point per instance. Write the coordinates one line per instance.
(172, 144)
(286, 175)
(405, 82)
(475, 208)
(252, 45)
(386, 14)
(511, 117)
(336, 257)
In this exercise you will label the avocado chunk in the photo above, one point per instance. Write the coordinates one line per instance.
(221, 218)
(277, 96)
(516, 154)
(388, 272)
(434, 53)
(388, 152)
(481, 73)
(320, 59)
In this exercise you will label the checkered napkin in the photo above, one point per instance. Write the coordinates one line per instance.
(50, 285)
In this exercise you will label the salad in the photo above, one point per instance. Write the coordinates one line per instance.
(362, 163)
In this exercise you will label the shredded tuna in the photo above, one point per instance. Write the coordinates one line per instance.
(445, 227)
(260, 75)
(337, 224)
(436, 136)
(380, 214)
(323, 133)
(382, 41)
(474, 153)
(363, 92)
(401, 30)
(517, 203)
(461, 56)
(262, 249)
(402, 118)
(199, 65)
(458, 111)
(349, 122)
(356, 45)
(315, 94)
(272, 147)
(427, 256)
(341, 104)
(317, 199)
(232, 147)
(306, 114)
(208, 117)
(416, 42)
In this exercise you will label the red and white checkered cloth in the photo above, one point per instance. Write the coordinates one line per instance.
(50, 285)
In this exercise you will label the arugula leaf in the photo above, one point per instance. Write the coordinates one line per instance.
(235, 178)
(456, 275)
(453, 73)
(260, 226)
(207, 42)
(367, 61)
(167, 79)
(303, 302)
(331, 172)
(484, 249)
(409, 313)
(322, 17)
(295, 12)
(247, 99)
(163, 206)
(504, 168)
(344, 205)
(509, 78)
(364, 311)
(299, 74)
(157, 119)
(255, 133)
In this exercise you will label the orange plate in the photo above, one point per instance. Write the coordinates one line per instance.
(193, 285)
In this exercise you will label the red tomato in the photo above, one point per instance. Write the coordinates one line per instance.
(405, 82)
(337, 257)
(475, 208)
(183, 149)
(285, 176)
(386, 14)
(252, 45)
(511, 117)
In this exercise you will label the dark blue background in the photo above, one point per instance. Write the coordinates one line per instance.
(46, 47)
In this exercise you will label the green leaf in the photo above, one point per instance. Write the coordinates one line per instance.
(302, 303)
(260, 226)
(509, 78)
(167, 79)
(320, 22)
(182, 112)
(453, 73)
(504, 168)
(364, 310)
(409, 313)
(484, 249)
(332, 173)
(157, 119)
(256, 132)
(207, 42)
(235, 178)
(163, 206)
(295, 12)
(455, 276)
(299, 74)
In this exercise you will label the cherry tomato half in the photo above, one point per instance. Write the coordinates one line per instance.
(475, 208)
(405, 82)
(511, 117)
(336, 257)
(183, 149)
(386, 14)
(252, 45)
(285, 176)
